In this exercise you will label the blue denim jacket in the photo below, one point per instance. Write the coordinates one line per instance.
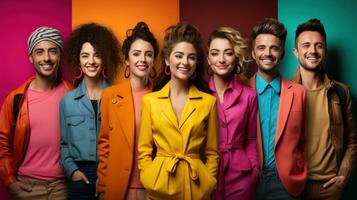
(78, 131)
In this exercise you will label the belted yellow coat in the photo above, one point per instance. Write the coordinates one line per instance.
(186, 161)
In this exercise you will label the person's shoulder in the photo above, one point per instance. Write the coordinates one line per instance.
(247, 90)
(294, 86)
(20, 89)
(122, 87)
(342, 85)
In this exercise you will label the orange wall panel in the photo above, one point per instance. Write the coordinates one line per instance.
(120, 15)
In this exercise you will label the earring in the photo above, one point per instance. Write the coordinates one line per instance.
(79, 76)
(238, 69)
(167, 70)
(104, 74)
(127, 72)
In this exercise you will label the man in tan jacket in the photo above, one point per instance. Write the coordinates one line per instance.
(331, 133)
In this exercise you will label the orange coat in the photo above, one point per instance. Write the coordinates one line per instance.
(290, 149)
(116, 141)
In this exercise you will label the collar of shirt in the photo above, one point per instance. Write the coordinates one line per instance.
(261, 84)
(232, 85)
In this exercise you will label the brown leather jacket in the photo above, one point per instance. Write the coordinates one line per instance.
(342, 129)
(14, 143)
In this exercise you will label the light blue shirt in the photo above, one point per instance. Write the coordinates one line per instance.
(78, 128)
(268, 102)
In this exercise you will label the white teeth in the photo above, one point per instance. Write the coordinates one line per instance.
(46, 66)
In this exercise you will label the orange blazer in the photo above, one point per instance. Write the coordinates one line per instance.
(290, 139)
(116, 141)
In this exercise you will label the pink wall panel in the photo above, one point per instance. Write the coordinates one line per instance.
(18, 19)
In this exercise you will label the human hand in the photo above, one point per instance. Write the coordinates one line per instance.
(339, 181)
(78, 176)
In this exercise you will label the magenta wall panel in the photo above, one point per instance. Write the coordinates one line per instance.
(18, 18)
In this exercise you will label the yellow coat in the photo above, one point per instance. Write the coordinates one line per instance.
(186, 161)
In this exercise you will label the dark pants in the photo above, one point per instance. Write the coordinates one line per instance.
(78, 190)
(270, 187)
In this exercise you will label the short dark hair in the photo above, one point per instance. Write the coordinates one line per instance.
(311, 25)
(270, 26)
(104, 42)
(140, 31)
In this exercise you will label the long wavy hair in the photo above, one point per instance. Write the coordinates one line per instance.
(182, 32)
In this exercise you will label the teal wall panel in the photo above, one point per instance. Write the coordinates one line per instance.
(340, 21)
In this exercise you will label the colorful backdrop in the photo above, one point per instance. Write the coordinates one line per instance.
(20, 17)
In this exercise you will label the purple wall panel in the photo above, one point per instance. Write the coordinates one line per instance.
(239, 14)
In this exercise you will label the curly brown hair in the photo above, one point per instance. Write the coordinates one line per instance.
(104, 42)
(182, 32)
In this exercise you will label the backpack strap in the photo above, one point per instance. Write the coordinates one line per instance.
(16, 108)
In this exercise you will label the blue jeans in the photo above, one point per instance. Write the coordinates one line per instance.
(269, 187)
(78, 190)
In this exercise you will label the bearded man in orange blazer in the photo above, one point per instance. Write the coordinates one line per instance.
(281, 119)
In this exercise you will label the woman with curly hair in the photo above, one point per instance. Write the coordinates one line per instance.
(237, 115)
(93, 54)
(178, 156)
(118, 174)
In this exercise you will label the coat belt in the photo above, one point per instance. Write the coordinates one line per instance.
(176, 157)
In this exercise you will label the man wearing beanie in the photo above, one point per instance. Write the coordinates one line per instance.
(29, 125)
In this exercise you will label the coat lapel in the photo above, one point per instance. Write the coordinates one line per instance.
(166, 107)
(190, 107)
(286, 99)
(124, 110)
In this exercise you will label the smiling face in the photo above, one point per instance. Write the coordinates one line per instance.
(182, 61)
(221, 57)
(141, 58)
(90, 61)
(45, 58)
(310, 50)
(267, 52)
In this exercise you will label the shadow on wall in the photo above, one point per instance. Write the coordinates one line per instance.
(334, 70)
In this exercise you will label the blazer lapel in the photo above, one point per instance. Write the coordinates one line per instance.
(124, 110)
(286, 99)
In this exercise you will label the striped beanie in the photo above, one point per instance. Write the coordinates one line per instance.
(44, 33)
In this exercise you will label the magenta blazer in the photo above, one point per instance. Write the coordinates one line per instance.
(237, 121)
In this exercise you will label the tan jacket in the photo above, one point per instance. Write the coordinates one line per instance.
(342, 128)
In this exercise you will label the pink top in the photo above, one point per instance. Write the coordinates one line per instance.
(137, 98)
(237, 128)
(43, 152)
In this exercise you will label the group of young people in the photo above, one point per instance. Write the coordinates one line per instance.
(177, 134)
